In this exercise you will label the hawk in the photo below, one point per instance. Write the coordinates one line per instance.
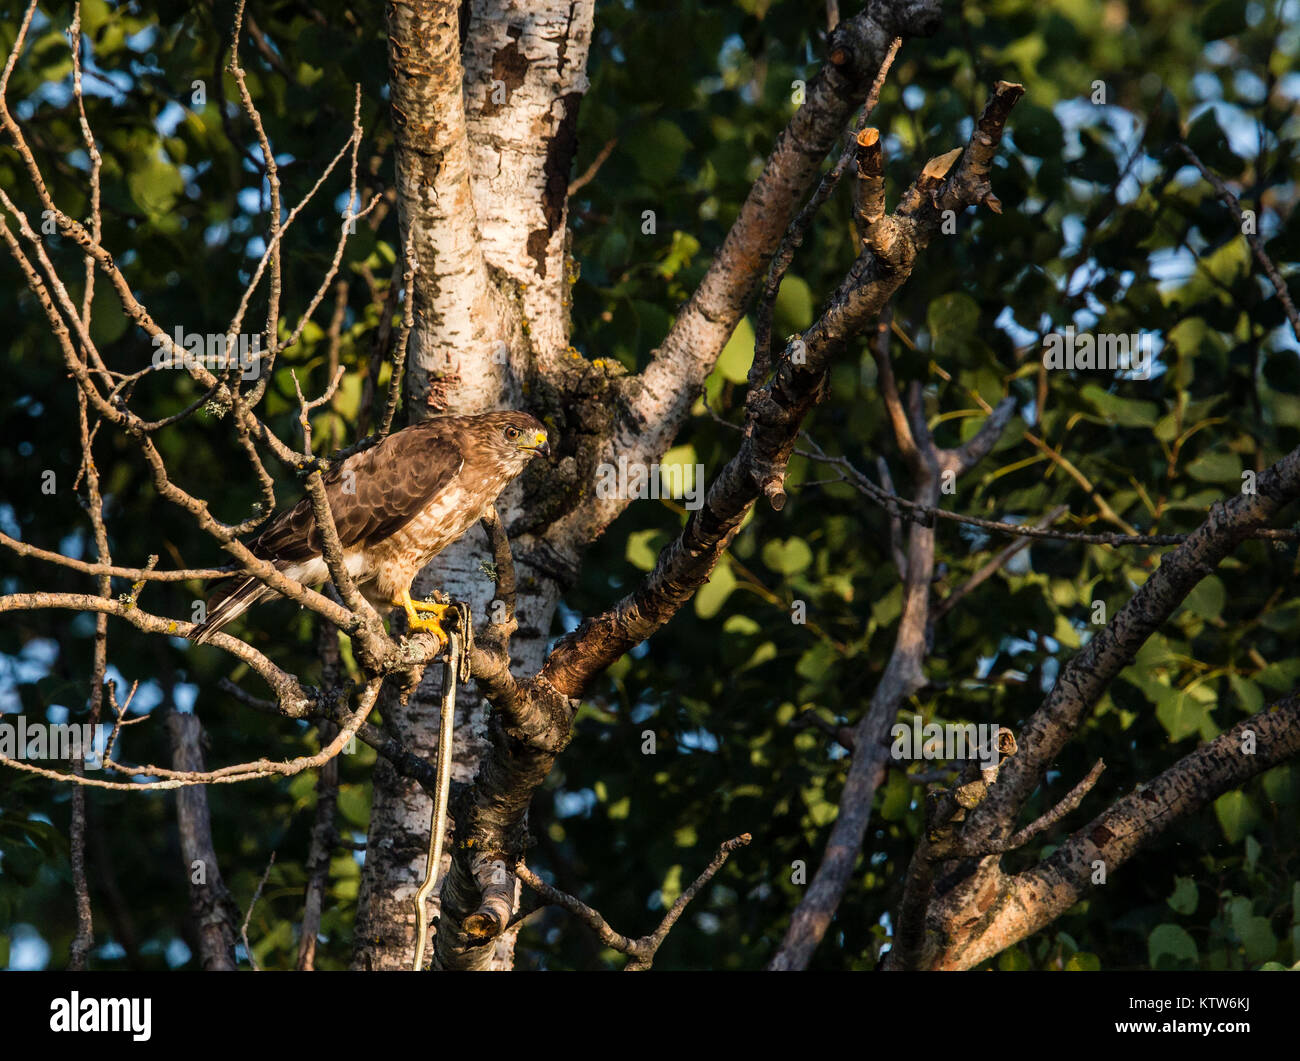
(396, 506)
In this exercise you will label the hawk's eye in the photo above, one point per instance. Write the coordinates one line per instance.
(512, 433)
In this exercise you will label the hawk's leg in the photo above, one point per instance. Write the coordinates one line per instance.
(433, 624)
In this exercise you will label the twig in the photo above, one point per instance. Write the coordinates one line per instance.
(379, 343)
(248, 916)
(273, 188)
(924, 513)
(798, 229)
(293, 698)
(490, 654)
(1257, 248)
(895, 521)
(993, 566)
(1068, 804)
(119, 715)
(403, 339)
(324, 835)
(842, 735)
(586, 176)
(641, 950)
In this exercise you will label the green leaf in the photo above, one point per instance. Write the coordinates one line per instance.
(1206, 137)
(817, 661)
(738, 354)
(641, 551)
(794, 302)
(108, 322)
(1170, 944)
(1181, 713)
(1257, 938)
(888, 607)
(1237, 815)
(788, 557)
(897, 797)
(1224, 19)
(155, 185)
(1280, 676)
(1183, 901)
(652, 322)
(1280, 786)
(659, 151)
(1064, 631)
(1124, 412)
(1083, 962)
(1207, 598)
(354, 804)
(1216, 466)
(766, 651)
(671, 887)
(953, 320)
(684, 248)
(22, 863)
(741, 625)
(1037, 131)
(1250, 698)
(677, 469)
(714, 593)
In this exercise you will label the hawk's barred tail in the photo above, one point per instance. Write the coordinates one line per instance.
(227, 605)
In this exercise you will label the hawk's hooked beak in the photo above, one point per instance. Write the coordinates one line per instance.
(538, 444)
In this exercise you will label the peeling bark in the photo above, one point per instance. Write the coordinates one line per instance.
(507, 171)
(532, 58)
(460, 316)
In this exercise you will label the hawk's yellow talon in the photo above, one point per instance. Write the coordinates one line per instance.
(432, 625)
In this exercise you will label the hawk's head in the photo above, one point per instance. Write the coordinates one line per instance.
(512, 438)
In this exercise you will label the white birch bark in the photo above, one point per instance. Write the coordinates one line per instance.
(478, 197)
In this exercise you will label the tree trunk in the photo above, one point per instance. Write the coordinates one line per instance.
(482, 196)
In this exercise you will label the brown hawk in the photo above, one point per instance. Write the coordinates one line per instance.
(396, 506)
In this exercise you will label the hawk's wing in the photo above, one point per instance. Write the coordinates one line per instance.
(371, 494)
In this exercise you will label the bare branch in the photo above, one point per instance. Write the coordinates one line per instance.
(641, 950)
(1256, 246)
(1072, 799)
(994, 565)
(588, 175)
(293, 698)
(990, 911)
(1082, 681)
(798, 229)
